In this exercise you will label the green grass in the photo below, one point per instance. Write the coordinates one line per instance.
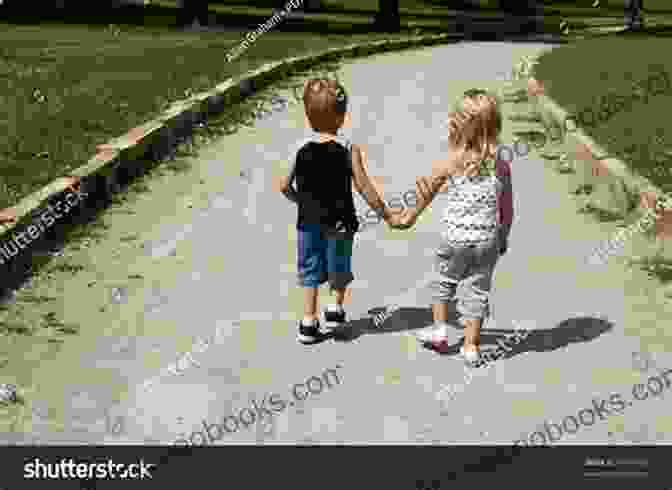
(640, 135)
(65, 89)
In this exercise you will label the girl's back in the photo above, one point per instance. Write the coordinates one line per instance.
(471, 201)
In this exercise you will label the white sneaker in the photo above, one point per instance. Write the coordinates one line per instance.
(433, 335)
(470, 356)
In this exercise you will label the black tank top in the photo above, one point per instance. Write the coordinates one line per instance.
(323, 176)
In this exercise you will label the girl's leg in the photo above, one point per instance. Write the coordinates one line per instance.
(472, 333)
(476, 305)
(440, 313)
(449, 266)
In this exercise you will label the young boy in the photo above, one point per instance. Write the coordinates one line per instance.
(325, 167)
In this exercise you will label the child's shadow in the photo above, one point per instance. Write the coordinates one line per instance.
(571, 330)
(400, 320)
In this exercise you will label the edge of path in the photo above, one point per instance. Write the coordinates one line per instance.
(613, 182)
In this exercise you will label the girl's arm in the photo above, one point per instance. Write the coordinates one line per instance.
(505, 202)
(428, 188)
(365, 186)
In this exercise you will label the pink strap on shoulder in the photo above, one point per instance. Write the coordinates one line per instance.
(506, 198)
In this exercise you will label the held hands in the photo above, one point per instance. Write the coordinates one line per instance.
(402, 220)
(426, 189)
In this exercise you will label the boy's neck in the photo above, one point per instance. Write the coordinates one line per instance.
(326, 136)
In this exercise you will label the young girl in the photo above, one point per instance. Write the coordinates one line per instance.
(476, 220)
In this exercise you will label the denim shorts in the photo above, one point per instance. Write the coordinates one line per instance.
(324, 256)
(465, 273)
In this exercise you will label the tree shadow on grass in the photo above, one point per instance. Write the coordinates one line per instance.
(656, 267)
(602, 215)
(661, 31)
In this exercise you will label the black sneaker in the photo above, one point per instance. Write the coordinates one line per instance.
(333, 319)
(309, 334)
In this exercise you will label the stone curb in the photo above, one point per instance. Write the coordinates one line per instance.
(611, 178)
(115, 161)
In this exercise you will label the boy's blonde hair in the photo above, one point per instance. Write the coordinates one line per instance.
(475, 123)
(326, 103)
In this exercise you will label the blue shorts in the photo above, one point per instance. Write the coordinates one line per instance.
(324, 257)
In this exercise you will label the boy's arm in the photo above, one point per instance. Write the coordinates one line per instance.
(365, 186)
(287, 185)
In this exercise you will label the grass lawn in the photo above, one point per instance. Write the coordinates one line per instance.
(67, 88)
(641, 135)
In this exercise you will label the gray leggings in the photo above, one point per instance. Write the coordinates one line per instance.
(469, 268)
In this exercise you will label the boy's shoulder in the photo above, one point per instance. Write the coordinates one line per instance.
(305, 141)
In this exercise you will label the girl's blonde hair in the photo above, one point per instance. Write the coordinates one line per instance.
(475, 123)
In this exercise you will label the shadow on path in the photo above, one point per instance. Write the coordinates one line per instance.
(571, 330)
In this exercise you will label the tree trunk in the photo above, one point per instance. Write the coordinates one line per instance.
(192, 10)
(387, 18)
(634, 17)
(523, 8)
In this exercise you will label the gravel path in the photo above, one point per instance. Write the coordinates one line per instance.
(218, 263)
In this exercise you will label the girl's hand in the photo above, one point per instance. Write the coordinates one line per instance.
(429, 186)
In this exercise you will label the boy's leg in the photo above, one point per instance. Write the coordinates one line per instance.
(339, 271)
(312, 273)
(340, 296)
(310, 304)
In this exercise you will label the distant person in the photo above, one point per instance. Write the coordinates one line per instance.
(324, 170)
(7, 215)
(476, 220)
